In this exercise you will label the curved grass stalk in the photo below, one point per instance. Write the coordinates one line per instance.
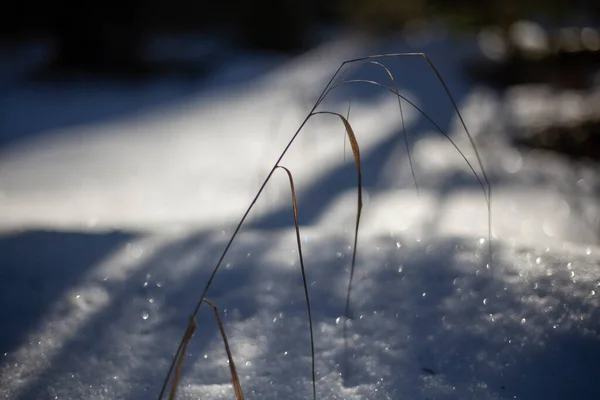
(486, 188)
(406, 144)
(236, 231)
(179, 355)
(482, 184)
(356, 152)
(310, 324)
(234, 376)
(347, 117)
(235, 380)
(334, 83)
(370, 59)
(191, 329)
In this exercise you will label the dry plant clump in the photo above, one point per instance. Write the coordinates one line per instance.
(338, 80)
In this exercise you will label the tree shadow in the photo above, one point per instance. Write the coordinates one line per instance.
(51, 102)
(496, 334)
(38, 267)
(128, 343)
(429, 314)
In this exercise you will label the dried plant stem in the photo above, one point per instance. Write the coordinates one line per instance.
(332, 84)
(235, 379)
(181, 356)
(299, 242)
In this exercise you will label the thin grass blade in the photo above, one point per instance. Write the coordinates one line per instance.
(406, 144)
(361, 60)
(235, 380)
(299, 241)
(481, 183)
(186, 339)
(241, 223)
(178, 359)
(356, 152)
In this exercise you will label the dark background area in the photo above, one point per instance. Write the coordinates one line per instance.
(111, 39)
(109, 36)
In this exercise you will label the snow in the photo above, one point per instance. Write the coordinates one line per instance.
(111, 225)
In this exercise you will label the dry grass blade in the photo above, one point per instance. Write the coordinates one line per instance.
(310, 325)
(241, 223)
(434, 124)
(356, 152)
(181, 356)
(347, 117)
(406, 144)
(333, 83)
(235, 380)
(357, 62)
(464, 125)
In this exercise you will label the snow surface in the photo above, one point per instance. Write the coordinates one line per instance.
(111, 225)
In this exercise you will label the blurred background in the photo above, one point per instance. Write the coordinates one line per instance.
(66, 64)
(134, 134)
